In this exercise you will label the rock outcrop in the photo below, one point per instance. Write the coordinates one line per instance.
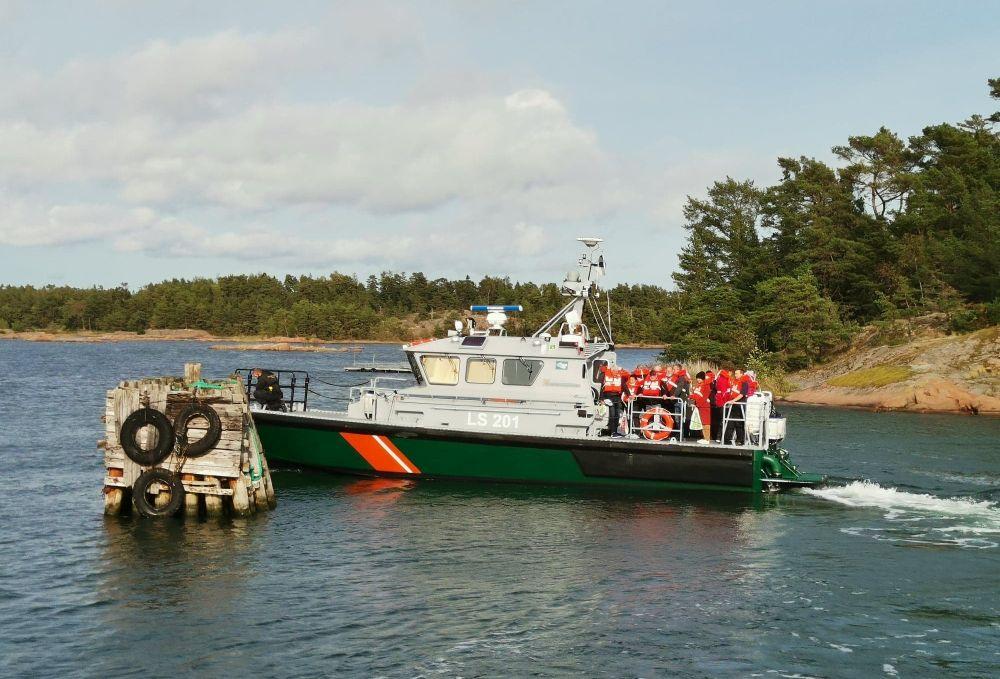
(950, 373)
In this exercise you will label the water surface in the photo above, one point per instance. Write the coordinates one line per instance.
(892, 571)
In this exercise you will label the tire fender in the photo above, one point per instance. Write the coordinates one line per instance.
(164, 439)
(158, 475)
(206, 442)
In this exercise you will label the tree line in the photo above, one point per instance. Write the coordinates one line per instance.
(388, 306)
(779, 275)
(783, 274)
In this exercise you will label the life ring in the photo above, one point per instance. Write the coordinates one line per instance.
(656, 423)
(206, 442)
(147, 506)
(164, 436)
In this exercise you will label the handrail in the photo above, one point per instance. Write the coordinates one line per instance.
(297, 385)
(749, 438)
(653, 400)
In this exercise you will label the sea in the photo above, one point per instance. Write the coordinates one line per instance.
(893, 570)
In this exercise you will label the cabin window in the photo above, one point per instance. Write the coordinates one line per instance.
(481, 371)
(521, 371)
(598, 373)
(413, 367)
(440, 369)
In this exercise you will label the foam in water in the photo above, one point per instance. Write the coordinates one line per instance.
(919, 518)
(870, 494)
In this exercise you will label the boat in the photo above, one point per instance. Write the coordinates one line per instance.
(488, 406)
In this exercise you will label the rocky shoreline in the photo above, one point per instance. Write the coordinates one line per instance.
(949, 373)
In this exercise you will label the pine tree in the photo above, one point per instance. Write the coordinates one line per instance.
(723, 242)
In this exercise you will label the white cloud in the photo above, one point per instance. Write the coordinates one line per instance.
(175, 238)
(196, 147)
(25, 224)
(520, 151)
(529, 240)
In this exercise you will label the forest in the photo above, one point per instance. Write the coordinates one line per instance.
(778, 275)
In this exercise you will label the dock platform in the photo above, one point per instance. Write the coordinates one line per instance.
(183, 445)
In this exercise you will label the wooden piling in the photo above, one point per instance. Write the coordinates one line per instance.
(113, 499)
(192, 372)
(232, 477)
(213, 506)
(241, 498)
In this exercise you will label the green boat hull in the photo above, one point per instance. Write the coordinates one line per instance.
(369, 449)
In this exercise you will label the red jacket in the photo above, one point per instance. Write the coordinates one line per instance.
(700, 394)
(613, 381)
(742, 388)
(722, 387)
(632, 385)
(652, 386)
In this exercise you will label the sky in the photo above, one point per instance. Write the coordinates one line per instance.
(141, 141)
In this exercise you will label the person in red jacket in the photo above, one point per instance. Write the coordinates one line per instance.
(701, 396)
(629, 393)
(722, 387)
(738, 393)
(663, 375)
(614, 384)
(652, 386)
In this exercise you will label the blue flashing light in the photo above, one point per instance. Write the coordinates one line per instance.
(496, 307)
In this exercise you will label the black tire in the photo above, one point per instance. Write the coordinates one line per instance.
(164, 436)
(157, 475)
(206, 442)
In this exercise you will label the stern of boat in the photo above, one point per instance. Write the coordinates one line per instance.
(776, 472)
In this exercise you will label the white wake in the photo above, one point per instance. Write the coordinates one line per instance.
(919, 517)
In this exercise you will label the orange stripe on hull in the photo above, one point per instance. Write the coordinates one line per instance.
(380, 453)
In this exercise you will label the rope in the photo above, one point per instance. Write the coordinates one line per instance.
(327, 396)
(335, 384)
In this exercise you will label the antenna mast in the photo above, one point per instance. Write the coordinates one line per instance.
(580, 285)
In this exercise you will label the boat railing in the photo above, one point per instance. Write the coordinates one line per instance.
(641, 406)
(294, 385)
(752, 425)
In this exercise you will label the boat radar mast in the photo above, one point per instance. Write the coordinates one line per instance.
(581, 285)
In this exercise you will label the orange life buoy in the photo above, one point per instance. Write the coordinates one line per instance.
(656, 423)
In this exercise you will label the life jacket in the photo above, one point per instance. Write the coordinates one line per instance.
(754, 386)
(612, 380)
(652, 386)
(736, 390)
(631, 387)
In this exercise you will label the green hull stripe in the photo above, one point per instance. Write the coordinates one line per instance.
(326, 448)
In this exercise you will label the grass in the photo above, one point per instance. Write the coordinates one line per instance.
(879, 376)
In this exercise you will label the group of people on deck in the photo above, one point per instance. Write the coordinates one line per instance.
(671, 388)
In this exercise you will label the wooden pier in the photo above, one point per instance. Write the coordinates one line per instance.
(183, 445)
